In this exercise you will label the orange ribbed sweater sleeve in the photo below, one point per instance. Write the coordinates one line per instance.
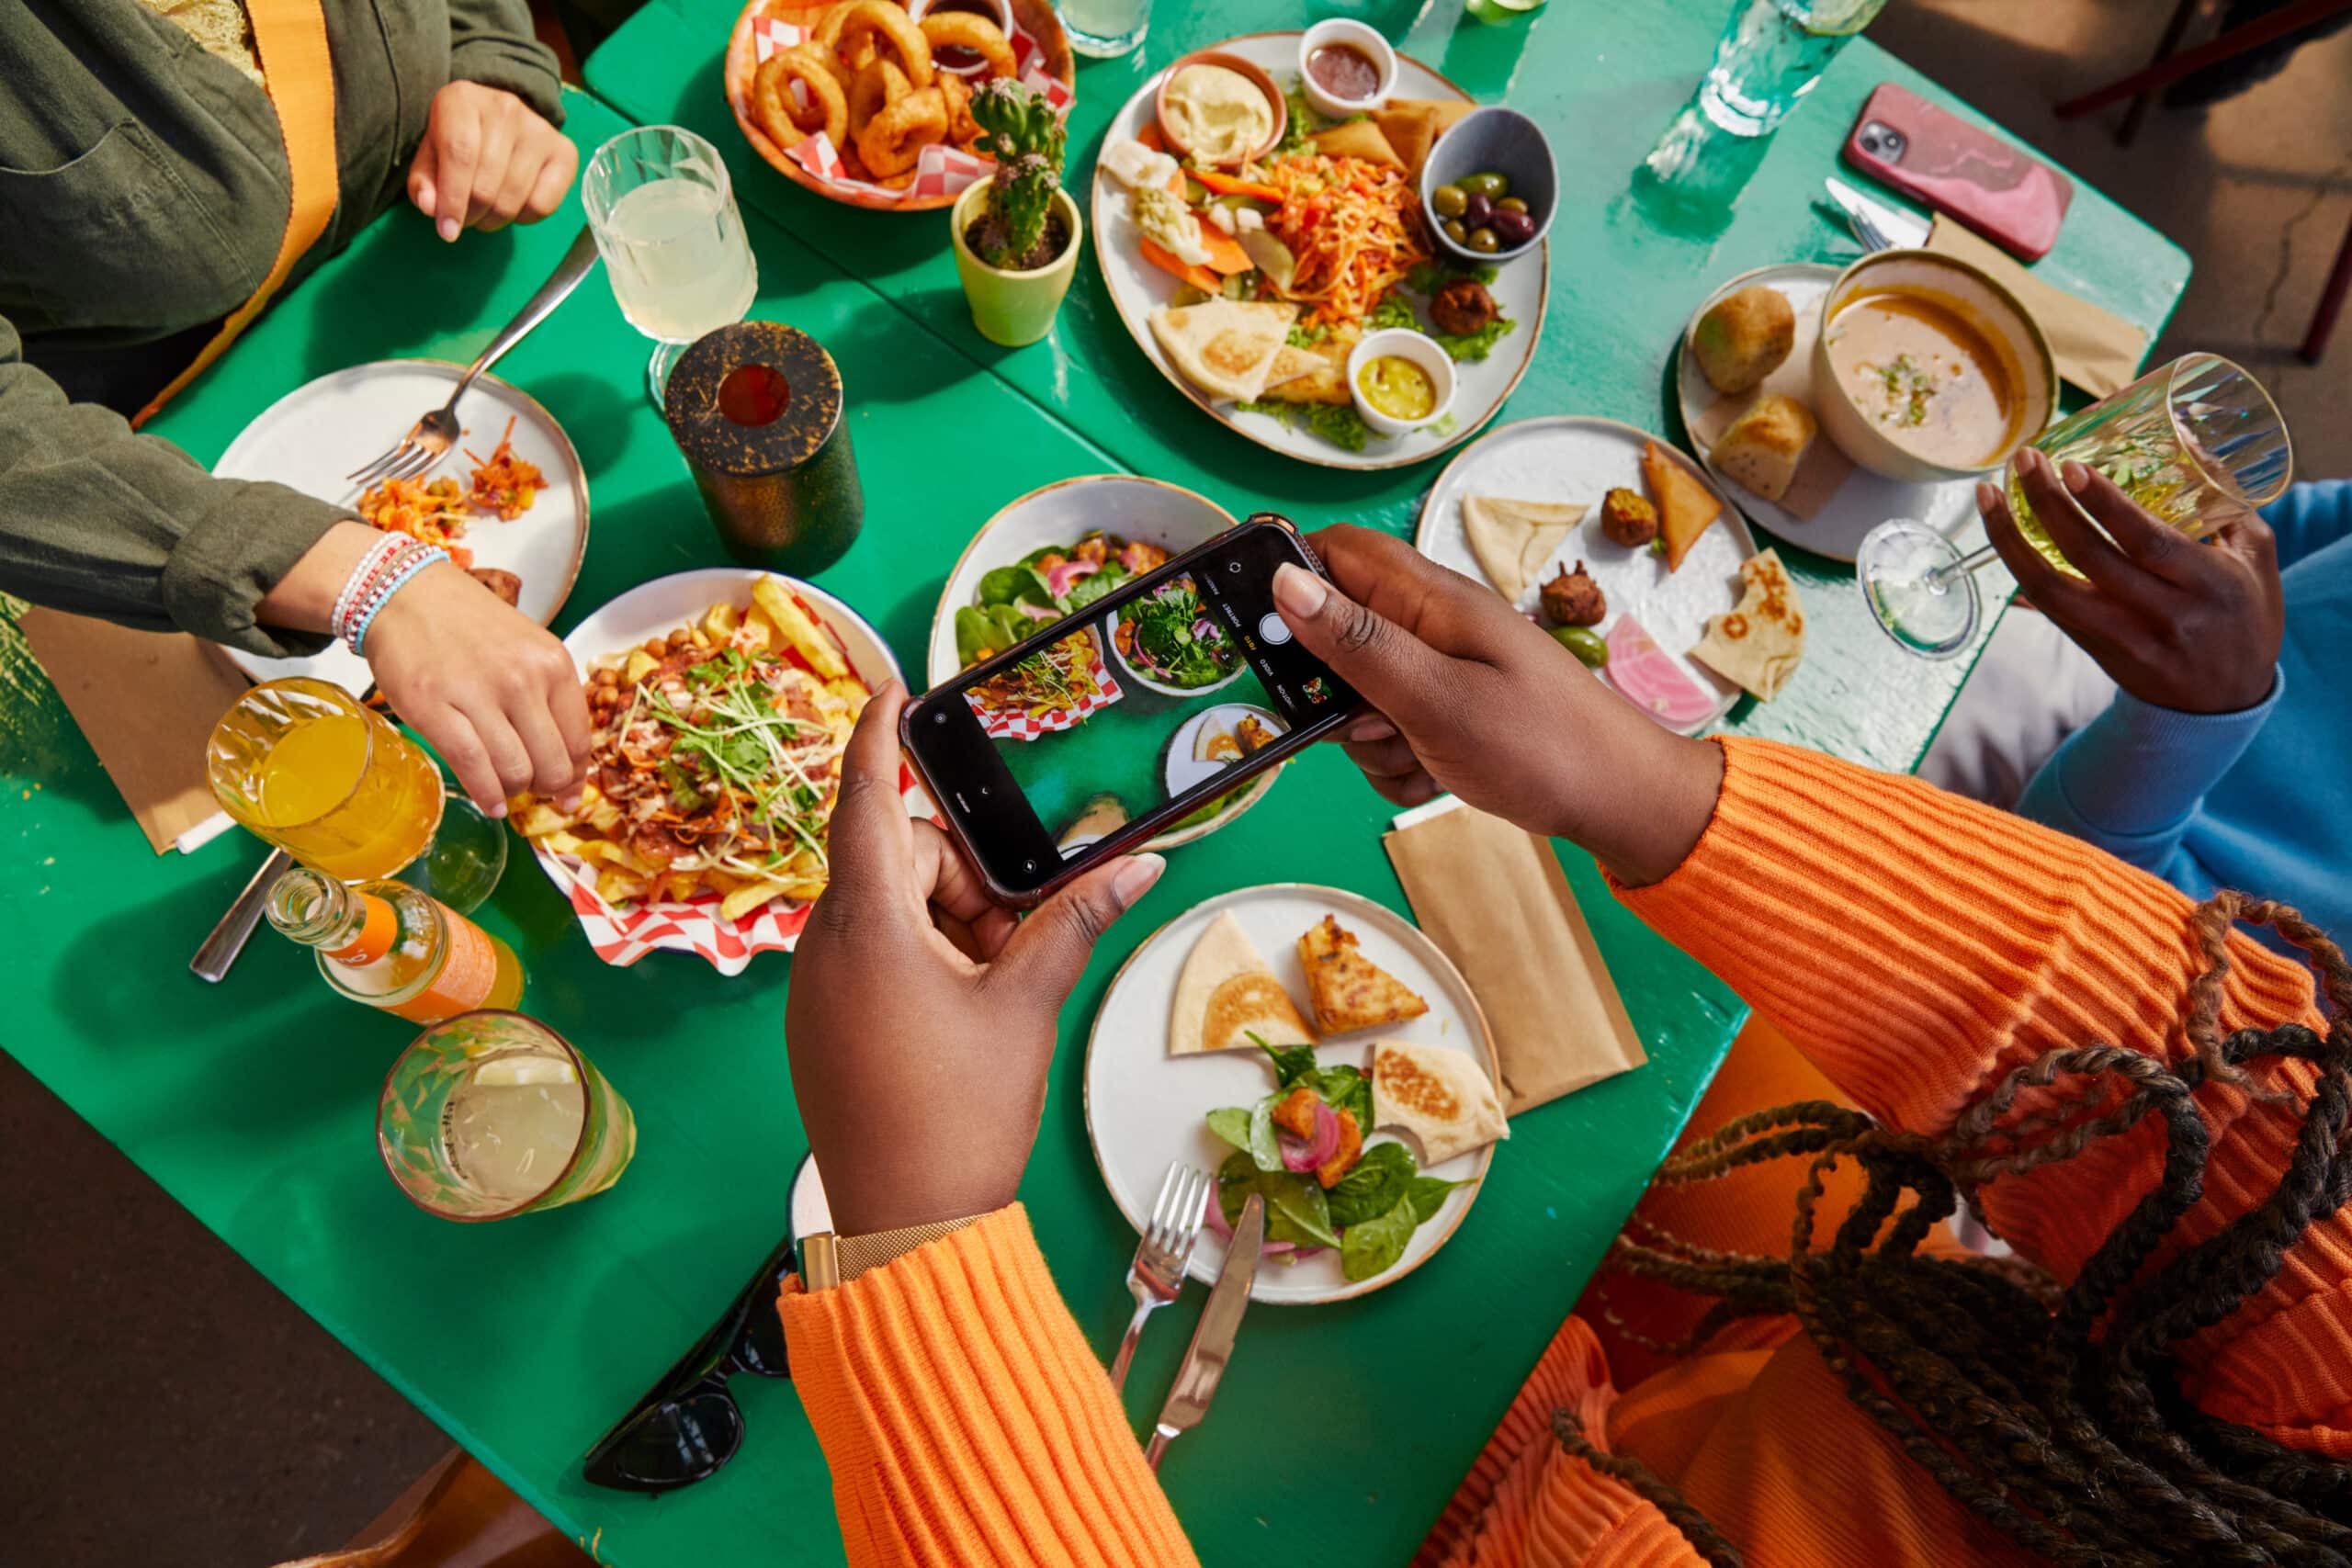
(1917, 946)
(965, 1420)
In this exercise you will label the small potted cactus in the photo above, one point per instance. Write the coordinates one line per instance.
(1016, 232)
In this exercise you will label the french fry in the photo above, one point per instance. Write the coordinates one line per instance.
(747, 897)
(811, 641)
(603, 816)
(538, 818)
(641, 664)
(562, 842)
(720, 622)
(619, 886)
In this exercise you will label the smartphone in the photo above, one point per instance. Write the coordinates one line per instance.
(2005, 194)
(1144, 708)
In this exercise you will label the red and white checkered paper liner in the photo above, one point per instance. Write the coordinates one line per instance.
(940, 170)
(1026, 726)
(622, 936)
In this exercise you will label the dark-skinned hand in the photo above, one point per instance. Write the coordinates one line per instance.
(2178, 623)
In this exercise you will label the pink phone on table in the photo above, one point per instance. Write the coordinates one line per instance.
(2001, 191)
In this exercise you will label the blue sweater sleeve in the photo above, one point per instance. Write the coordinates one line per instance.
(2131, 780)
(2310, 517)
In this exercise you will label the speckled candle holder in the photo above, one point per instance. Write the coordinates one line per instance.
(756, 408)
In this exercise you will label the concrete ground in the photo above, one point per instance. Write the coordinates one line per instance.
(164, 1405)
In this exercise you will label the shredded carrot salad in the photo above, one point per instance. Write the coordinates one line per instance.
(506, 484)
(433, 511)
(1354, 228)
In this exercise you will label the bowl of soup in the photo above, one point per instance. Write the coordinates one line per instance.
(1927, 369)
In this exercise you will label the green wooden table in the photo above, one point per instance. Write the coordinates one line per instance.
(251, 1103)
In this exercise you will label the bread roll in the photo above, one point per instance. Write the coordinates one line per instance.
(1744, 336)
(1763, 447)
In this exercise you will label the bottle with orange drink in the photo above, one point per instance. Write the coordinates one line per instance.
(388, 945)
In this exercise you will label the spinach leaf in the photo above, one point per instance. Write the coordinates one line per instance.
(1292, 1063)
(1015, 585)
(1086, 590)
(1295, 1212)
(1376, 1185)
(1344, 1088)
(1232, 1124)
(1262, 1146)
(1373, 1244)
(989, 631)
(1427, 1194)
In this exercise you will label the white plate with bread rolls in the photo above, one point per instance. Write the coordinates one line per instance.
(1773, 459)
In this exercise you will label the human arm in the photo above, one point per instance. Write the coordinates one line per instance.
(2309, 516)
(492, 152)
(961, 1415)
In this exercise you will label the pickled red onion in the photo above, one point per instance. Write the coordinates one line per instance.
(1300, 1157)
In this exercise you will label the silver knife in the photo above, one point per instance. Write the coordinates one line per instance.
(1896, 228)
(1211, 1350)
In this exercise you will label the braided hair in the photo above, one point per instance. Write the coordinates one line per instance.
(2052, 1413)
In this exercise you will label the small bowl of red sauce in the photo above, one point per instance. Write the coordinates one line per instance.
(1345, 68)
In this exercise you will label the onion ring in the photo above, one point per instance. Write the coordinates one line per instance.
(962, 29)
(780, 117)
(856, 29)
(893, 139)
(962, 128)
(880, 84)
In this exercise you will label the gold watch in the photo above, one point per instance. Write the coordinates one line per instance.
(827, 1260)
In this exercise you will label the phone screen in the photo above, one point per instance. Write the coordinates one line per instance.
(1148, 709)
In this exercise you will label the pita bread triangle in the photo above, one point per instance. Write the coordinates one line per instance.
(1442, 1097)
(1513, 539)
(1224, 347)
(1226, 993)
(1760, 641)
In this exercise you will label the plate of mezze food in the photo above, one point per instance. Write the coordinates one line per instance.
(509, 502)
(868, 102)
(1927, 373)
(722, 701)
(1285, 267)
(1618, 545)
(1050, 554)
(1311, 1045)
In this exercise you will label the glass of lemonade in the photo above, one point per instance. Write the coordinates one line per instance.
(491, 1114)
(2196, 444)
(1771, 53)
(307, 766)
(664, 217)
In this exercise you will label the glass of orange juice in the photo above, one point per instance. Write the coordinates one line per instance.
(307, 766)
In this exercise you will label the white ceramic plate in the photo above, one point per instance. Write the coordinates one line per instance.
(1574, 459)
(1168, 515)
(324, 429)
(1865, 500)
(663, 605)
(1138, 287)
(1145, 1109)
(1184, 769)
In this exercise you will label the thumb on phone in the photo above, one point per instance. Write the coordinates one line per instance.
(1050, 951)
(1388, 666)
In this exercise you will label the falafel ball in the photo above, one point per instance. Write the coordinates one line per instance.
(1463, 307)
(1628, 518)
(1574, 599)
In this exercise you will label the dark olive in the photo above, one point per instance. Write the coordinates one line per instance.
(1456, 232)
(1511, 204)
(1448, 200)
(1513, 228)
(1484, 242)
(1477, 211)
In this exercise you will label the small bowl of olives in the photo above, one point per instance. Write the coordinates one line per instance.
(1489, 186)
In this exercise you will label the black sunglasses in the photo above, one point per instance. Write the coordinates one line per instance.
(689, 1424)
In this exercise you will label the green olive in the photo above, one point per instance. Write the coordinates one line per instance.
(1456, 232)
(1511, 204)
(1484, 242)
(1585, 643)
(1491, 185)
(1449, 200)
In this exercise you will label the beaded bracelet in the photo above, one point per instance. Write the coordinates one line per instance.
(402, 567)
(370, 567)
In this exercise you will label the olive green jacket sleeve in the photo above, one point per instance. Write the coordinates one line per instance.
(491, 42)
(101, 522)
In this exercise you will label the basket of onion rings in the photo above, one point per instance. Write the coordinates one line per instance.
(867, 101)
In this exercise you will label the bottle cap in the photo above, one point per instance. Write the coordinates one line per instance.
(378, 931)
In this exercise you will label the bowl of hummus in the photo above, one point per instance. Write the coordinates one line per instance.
(1219, 109)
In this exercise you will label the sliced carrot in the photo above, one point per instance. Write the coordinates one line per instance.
(1161, 257)
(1226, 256)
(1231, 185)
(1149, 137)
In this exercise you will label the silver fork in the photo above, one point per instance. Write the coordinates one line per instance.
(1159, 1273)
(429, 438)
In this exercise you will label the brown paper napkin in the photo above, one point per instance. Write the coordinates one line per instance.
(2097, 350)
(148, 701)
(1495, 900)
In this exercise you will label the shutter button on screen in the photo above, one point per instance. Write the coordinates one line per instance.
(1273, 630)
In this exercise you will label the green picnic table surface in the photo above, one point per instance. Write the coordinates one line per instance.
(251, 1103)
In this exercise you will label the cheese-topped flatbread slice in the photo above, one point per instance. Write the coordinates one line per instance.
(1226, 993)
(1513, 539)
(1349, 990)
(1759, 642)
(1226, 347)
(1442, 1097)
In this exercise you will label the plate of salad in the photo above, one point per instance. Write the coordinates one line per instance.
(1170, 643)
(1052, 553)
(1327, 231)
(1225, 1111)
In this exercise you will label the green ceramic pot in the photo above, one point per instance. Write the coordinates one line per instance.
(1013, 307)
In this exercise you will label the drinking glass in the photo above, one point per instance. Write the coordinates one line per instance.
(306, 766)
(491, 1114)
(2196, 443)
(663, 213)
(1771, 53)
(1106, 29)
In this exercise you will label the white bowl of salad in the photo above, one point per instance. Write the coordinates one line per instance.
(1170, 644)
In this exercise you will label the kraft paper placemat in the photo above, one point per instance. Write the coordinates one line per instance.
(148, 701)
(1495, 900)
(2097, 350)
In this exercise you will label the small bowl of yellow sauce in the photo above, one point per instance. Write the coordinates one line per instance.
(1400, 380)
